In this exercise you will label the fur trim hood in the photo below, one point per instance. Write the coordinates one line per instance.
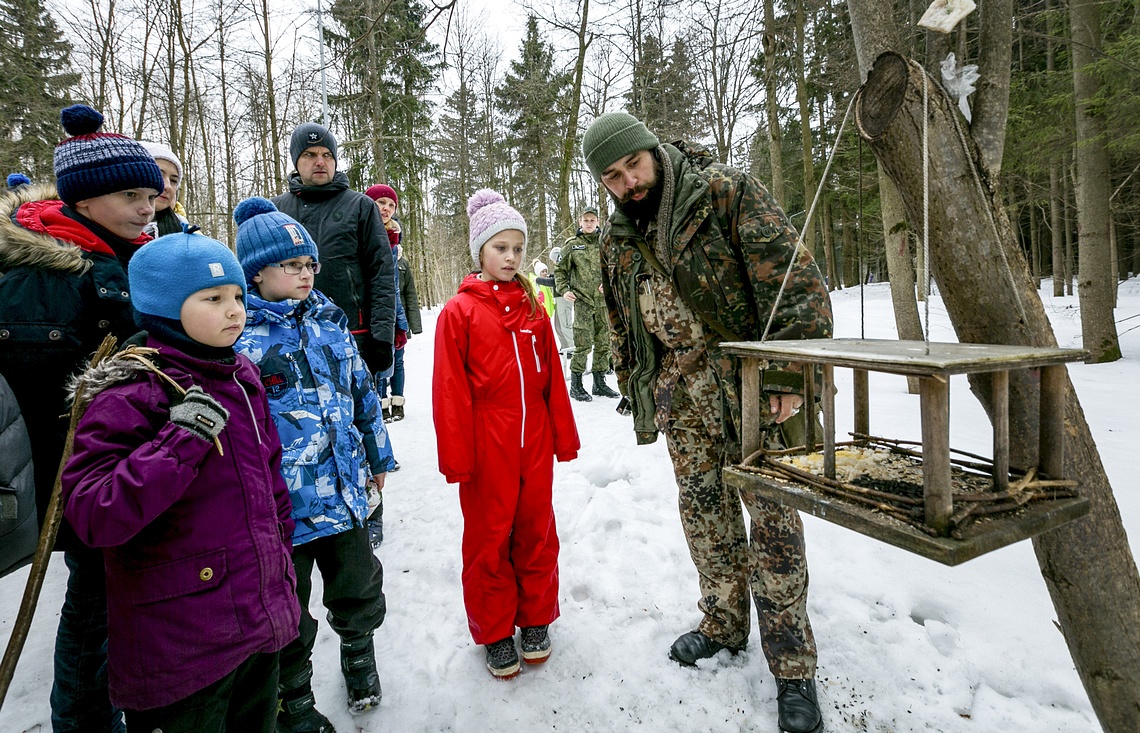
(115, 369)
(20, 247)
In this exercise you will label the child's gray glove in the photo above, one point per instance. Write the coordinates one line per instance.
(199, 413)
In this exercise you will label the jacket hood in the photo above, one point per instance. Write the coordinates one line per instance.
(318, 193)
(23, 247)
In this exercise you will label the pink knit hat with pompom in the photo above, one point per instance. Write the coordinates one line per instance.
(490, 214)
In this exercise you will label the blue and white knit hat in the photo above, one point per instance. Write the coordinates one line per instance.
(167, 271)
(266, 235)
(92, 163)
(490, 214)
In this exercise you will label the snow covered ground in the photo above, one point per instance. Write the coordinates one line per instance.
(905, 644)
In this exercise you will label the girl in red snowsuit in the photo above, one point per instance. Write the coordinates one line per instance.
(502, 414)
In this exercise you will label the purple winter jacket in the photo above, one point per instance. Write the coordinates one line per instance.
(197, 546)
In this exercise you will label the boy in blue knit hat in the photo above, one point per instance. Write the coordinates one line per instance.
(64, 251)
(176, 475)
(336, 452)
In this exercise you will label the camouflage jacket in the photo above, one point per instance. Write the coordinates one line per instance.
(580, 269)
(726, 251)
(325, 409)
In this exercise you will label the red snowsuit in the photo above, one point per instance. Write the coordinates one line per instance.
(501, 414)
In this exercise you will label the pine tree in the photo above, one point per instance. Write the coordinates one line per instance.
(531, 98)
(34, 86)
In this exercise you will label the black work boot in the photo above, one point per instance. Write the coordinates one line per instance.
(297, 712)
(693, 646)
(577, 391)
(601, 389)
(358, 663)
(798, 707)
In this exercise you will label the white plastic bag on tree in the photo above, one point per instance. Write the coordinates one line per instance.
(959, 82)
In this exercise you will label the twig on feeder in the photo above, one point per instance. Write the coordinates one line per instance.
(985, 464)
(809, 477)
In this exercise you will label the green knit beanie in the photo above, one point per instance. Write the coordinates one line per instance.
(613, 136)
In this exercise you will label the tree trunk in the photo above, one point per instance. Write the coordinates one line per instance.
(900, 266)
(1087, 564)
(991, 101)
(564, 220)
(807, 233)
(1096, 281)
(771, 105)
(873, 27)
(1057, 242)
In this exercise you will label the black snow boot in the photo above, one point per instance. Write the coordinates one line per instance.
(577, 391)
(601, 389)
(297, 712)
(693, 646)
(798, 707)
(358, 663)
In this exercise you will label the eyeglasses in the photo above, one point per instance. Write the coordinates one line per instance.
(296, 268)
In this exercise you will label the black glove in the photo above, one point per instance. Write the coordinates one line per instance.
(200, 414)
(383, 357)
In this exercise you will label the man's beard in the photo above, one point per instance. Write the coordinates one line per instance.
(646, 208)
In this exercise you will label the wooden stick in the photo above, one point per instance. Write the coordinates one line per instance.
(812, 478)
(48, 534)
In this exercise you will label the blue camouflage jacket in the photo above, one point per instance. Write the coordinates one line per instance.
(325, 409)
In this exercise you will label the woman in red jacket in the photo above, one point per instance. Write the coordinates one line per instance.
(502, 414)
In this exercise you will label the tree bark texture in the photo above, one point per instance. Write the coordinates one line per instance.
(991, 101)
(1087, 565)
(1096, 275)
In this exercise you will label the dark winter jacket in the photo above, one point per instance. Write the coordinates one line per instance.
(18, 529)
(62, 289)
(409, 297)
(357, 267)
(196, 544)
(325, 408)
(493, 355)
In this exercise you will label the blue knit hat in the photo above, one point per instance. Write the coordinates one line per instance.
(92, 163)
(266, 235)
(167, 271)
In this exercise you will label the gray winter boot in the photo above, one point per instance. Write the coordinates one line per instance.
(601, 389)
(577, 391)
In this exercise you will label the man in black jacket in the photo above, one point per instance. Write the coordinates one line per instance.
(357, 272)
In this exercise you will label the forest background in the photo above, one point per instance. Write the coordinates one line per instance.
(426, 97)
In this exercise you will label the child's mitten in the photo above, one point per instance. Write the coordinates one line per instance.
(199, 413)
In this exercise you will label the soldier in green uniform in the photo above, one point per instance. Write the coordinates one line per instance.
(578, 279)
(694, 255)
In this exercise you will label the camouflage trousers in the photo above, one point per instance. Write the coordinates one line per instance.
(591, 331)
(772, 564)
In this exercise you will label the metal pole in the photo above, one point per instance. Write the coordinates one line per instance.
(324, 85)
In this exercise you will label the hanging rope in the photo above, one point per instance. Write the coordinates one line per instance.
(807, 221)
(926, 210)
(859, 247)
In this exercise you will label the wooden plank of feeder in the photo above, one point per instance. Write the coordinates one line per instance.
(1051, 446)
(750, 417)
(977, 539)
(862, 402)
(934, 399)
(828, 420)
(1000, 392)
(906, 357)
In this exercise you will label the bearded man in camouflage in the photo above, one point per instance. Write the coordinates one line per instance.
(694, 255)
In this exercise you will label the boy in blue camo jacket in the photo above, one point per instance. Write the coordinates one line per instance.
(336, 452)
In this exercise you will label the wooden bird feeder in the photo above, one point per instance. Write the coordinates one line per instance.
(951, 518)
